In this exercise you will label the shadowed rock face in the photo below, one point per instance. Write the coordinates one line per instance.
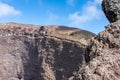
(107, 39)
(103, 55)
(27, 52)
(103, 51)
(111, 9)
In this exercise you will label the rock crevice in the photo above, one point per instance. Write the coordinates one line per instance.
(38, 56)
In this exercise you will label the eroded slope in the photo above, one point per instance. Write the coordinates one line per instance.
(29, 53)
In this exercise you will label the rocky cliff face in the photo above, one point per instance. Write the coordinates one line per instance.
(29, 52)
(103, 52)
(103, 55)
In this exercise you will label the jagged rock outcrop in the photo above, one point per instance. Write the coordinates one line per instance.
(102, 55)
(107, 39)
(111, 9)
(29, 52)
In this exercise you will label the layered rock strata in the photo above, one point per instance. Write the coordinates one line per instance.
(29, 52)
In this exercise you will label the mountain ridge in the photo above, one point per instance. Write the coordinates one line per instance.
(53, 30)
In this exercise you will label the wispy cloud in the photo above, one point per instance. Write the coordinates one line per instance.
(90, 11)
(70, 2)
(7, 10)
(98, 1)
(51, 17)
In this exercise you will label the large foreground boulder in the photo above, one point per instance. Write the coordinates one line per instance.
(111, 9)
(103, 55)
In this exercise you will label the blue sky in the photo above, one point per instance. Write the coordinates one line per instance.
(83, 14)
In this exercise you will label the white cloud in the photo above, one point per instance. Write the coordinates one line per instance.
(89, 12)
(98, 1)
(70, 2)
(52, 16)
(7, 10)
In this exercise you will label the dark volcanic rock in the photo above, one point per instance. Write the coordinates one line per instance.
(107, 39)
(28, 52)
(102, 54)
(111, 9)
